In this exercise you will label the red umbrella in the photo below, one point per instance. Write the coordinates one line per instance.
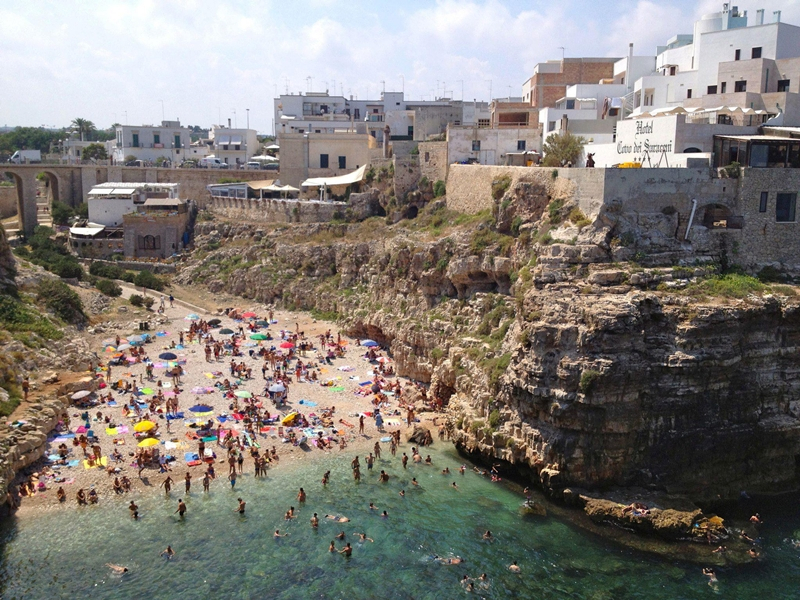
(287, 345)
(248, 315)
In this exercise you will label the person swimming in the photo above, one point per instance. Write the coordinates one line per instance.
(118, 568)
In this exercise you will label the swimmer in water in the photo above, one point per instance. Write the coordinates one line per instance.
(446, 471)
(337, 518)
(117, 568)
(488, 535)
(340, 535)
(385, 515)
(169, 552)
(402, 492)
(514, 567)
(462, 469)
(332, 547)
(712, 577)
(454, 560)
(454, 486)
(347, 550)
(414, 481)
(278, 534)
(372, 506)
(362, 537)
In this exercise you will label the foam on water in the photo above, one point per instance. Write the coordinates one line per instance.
(61, 553)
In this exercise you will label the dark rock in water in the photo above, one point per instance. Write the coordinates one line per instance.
(534, 508)
(421, 436)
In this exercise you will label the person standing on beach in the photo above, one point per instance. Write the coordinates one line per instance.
(181, 508)
(361, 424)
(167, 485)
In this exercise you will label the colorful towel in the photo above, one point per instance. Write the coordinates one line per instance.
(103, 462)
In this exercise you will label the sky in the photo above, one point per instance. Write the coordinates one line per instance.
(206, 61)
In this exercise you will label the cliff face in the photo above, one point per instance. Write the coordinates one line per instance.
(636, 389)
(578, 372)
(7, 264)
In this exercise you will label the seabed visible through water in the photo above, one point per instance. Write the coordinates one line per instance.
(61, 552)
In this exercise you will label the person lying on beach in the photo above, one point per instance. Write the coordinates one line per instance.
(117, 568)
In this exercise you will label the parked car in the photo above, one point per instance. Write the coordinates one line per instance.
(136, 163)
(253, 165)
(211, 162)
(188, 164)
(271, 167)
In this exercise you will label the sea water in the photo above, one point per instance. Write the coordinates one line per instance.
(61, 552)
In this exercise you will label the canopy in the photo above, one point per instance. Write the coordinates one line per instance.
(214, 322)
(277, 387)
(287, 345)
(167, 356)
(264, 158)
(201, 408)
(243, 394)
(249, 315)
(347, 179)
(273, 147)
(80, 394)
(144, 426)
(258, 336)
(90, 231)
(369, 343)
(148, 442)
(262, 184)
(226, 331)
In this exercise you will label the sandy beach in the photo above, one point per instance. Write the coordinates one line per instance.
(347, 391)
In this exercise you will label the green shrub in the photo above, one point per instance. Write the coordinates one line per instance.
(436, 355)
(128, 276)
(475, 426)
(67, 267)
(61, 213)
(500, 186)
(731, 285)
(109, 288)
(496, 366)
(136, 300)
(516, 223)
(588, 379)
(770, 274)
(494, 419)
(17, 317)
(147, 279)
(148, 301)
(439, 189)
(554, 211)
(61, 300)
(100, 269)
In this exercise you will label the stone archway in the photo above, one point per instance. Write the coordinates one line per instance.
(19, 205)
(54, 186)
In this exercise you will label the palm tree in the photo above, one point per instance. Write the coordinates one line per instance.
(82, 126)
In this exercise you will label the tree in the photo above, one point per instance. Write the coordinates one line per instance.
(61, 213)
(83, 127)
(94, 152)
(562, 148)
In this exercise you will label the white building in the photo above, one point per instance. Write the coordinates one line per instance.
(319, 112)
(231, 145)
(490, 146)
(108, 202)
(149, 143)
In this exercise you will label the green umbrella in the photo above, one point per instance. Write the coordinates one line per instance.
(147, 391)
(243, 394)
(258, 336)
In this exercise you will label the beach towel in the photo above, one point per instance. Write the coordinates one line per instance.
(338, 388)
(210, 438)
(53, 457)
(111, 430)
(103, 462)
(122, 429)
(222, 418)
(365, 383)
(73, 463)
(190, 456)
(111, 403)
(63, 439)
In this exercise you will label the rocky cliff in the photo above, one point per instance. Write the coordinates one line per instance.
(575, 368)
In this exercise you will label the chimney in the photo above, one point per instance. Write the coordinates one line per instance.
(760, 16)
(229, 123)
(777, 15)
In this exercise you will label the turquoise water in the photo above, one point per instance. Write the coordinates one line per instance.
(60, 553)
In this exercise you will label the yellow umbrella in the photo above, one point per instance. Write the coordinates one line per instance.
(143, 426)
(288, 418)
(148, 442)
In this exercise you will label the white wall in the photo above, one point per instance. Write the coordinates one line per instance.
(109, 211)
(495, 143)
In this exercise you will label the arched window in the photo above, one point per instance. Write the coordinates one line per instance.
(149, 242)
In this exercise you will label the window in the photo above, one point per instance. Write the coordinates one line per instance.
(149, 242)
(723, 87)
(135, 143)
(411, 131)
(571, 104)
(356, 113)
(551, 125)
(520, 145)
(673, 70)
(762, 205)
(712, 89)
(740, 86)
(689, 93)
(177, 141)
(484, 122)
(755, 52)
(427, 157)
(737, 55)
(783, 85)
(323, 161)
(784, 207)
(342, 162)
(156, 138)
(476, 145)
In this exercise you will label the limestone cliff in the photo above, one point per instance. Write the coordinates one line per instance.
(579, 370)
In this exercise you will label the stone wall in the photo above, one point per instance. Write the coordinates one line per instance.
(433, 160)
(406, 175)
(276, 211)
(8, 202)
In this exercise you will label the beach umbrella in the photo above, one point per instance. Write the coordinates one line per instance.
(191, 317)
(277, 387)
(243, 394)
(287, 345)
(201, 408)
(226, 331)
(369, 343)
(248, 315)
(214, 322)
(122, 347)
(376, 388)
(80, 394)
(383, 359)
(288, 418)
(110, 349)
(262, 323)
(109, 342)
(137, 339)
(201, 390)
(143, 426)
(258, 336)
(167, 356)
(148, 442)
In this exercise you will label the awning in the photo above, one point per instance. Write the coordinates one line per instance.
(223, 139)
(260, 185)
(123, 191)
(104, 192)
(236, 139)
(273, 147)
(90, 231)
(353, 177)
(265, 158)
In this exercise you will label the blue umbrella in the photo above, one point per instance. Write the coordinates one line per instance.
(369, 343)
(201, 408)
(167, 356)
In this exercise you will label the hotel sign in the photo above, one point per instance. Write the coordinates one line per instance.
(646, 137)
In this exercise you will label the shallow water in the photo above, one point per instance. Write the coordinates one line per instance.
(60, 553)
